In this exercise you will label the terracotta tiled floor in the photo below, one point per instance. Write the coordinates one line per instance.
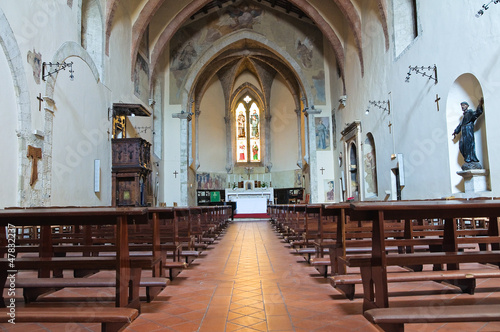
(249, 281)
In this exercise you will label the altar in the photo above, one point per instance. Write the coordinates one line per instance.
(250, 201)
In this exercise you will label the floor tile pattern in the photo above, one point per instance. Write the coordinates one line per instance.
(250, 281)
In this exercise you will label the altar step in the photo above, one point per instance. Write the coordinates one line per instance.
(252, 216)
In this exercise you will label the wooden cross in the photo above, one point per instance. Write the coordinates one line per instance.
(437, 101)
(322, 170)
(175, 174)
(390, 126)
(40, 99)
(34, 154)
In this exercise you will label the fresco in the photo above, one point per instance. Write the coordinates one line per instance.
(322, 134)
(211, 180)
(302, 41)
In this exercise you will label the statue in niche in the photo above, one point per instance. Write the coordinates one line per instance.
(465, 128)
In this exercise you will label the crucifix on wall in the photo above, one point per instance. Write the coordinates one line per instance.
(437, 101)
(390, 127)
(34, 154)
(322, 170)
(175, 174)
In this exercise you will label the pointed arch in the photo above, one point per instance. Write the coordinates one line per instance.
(68, 49)
(195, 5)
(15, 61)
(226, 41)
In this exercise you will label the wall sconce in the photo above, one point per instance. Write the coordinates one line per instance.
(60, 66)
(484, 7)
(424, 71)
(343, 98)
(385, 106)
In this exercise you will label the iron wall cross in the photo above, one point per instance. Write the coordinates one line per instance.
(322, 170)
(175, 174)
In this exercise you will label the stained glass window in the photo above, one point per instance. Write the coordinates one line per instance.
(247, 117)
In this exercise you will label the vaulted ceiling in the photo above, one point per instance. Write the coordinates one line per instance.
(322, 13)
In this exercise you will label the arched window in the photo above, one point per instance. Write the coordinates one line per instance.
(92, 31)
(247, 121)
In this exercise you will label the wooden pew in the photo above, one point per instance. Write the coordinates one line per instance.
(111, 319)
(127, 272)
(33, 287)
(393, 319)
(374, 267)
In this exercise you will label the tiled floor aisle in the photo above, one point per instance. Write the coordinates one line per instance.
(249, 281)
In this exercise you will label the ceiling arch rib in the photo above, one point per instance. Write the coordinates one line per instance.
(264, 45)
(111, 6)
(140, 25)
(354, 21)
(195, 5)
(382, 9)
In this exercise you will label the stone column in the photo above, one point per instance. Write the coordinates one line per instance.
(299, 131)
(229, 144)
(185, 123)
(197, 113)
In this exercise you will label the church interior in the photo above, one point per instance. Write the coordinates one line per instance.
(252, 120)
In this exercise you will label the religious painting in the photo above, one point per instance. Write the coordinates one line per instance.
(141, 79)
(211, 180)
(298, 178)
(305, 52)
(35, 60)
(254, 121)
(370, 171)
(301, 40)
(322, 134)
(329, 186)
(242, 151)
(255, 151)
(241, 121)
(319, 87)
(249, 184)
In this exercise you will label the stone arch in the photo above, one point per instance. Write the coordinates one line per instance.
(15, 61)
(92, 34)
(68, 49)
(465, 88)
(221, 44)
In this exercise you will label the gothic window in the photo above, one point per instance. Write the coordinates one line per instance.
(92, 31)
(405, 24)
(247, 121)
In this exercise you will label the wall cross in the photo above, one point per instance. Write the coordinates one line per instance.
(437, 101)
(390, 127)
(175, 174)
(322, 170)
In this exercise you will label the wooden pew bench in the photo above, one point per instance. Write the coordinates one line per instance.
(393, 319)
(33, 287)
(365, 263)
(137, 264)
(112, 319)
(346, 283)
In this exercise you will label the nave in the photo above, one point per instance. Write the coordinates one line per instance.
(249, 280)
